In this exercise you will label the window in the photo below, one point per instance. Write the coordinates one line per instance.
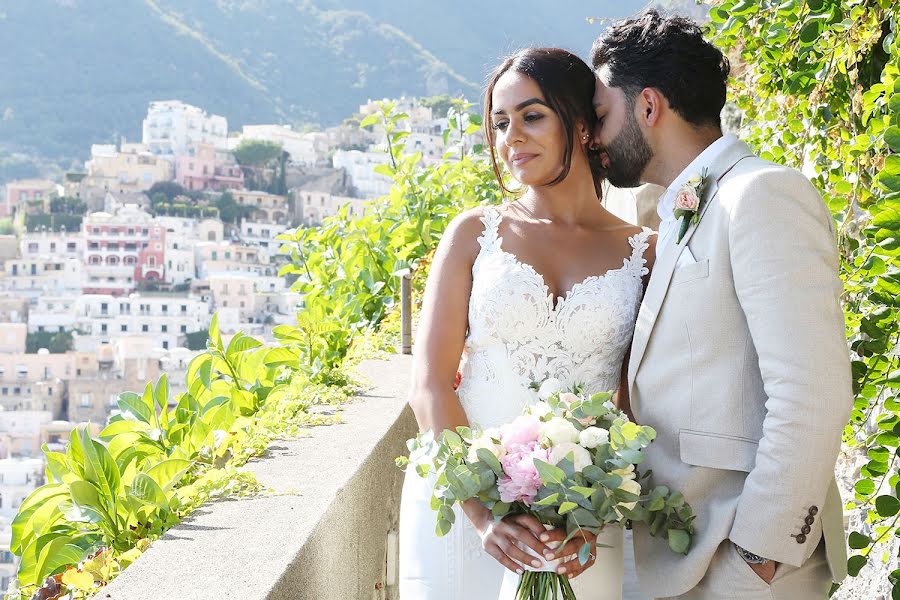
(165, 345)
(103, 328)
(125, 328)
(184, 329)
(84, 400)
(71, 247)
(165, 308)
(145, 328)
(184, 309)
(32, 247)
(164, 328)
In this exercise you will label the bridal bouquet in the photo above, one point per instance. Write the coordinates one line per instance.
(569, 460)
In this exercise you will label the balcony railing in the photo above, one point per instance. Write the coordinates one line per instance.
(337, 540)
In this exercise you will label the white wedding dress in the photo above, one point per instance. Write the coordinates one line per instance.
(517, 335)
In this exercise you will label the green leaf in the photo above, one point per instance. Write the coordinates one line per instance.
(810, 31)
(679, 541)
(104, 469)
(135, 407)
(864, 487)
(169, 472)
(887, 506)
(487, 457)
(892, 137)
(567, 507)
(855, 564)
(584, 553)
(550, 474)
(859, 541)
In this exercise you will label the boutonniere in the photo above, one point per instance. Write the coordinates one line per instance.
(689, 201)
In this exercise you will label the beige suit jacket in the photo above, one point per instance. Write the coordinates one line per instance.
(740, 363)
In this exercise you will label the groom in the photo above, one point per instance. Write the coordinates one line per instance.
(739, 359)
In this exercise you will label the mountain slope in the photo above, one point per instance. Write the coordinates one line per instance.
(78, 72)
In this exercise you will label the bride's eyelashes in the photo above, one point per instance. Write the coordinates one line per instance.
(529, 118)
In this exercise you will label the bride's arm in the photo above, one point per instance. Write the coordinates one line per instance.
(443, 322)
(439, 344)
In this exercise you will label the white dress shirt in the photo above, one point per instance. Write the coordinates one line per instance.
(666, 208)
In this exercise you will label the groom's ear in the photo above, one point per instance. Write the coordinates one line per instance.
(649, 106)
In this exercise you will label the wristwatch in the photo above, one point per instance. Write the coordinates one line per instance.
(753, 559)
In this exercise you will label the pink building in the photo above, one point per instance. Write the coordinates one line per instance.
(208, 169)
(122, 251)
(28, 190)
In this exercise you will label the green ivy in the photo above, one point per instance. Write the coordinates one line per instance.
(348, 268)
(818, 83)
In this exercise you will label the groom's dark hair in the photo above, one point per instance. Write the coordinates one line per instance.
(671, 55)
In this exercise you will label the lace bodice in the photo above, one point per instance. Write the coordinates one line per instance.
(518, 334)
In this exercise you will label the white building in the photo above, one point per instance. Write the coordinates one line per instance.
(360, 166)
(20, 432)
(53, 313)
(42, 274)
(301, 146)
(173, 127)
(256, 233)
(49, 243)
(165, 318)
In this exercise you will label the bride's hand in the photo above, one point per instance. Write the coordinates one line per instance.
(499, 540)
(572, 568)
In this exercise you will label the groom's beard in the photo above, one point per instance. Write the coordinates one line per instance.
(628, 155)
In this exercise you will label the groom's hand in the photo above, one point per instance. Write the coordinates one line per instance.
(766, 572)
(571, 568)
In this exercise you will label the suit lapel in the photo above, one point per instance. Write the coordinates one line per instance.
(665, 265)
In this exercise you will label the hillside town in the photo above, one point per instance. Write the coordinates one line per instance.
(109, 278)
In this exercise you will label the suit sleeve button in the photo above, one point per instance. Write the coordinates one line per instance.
(813, 510)
(800, 538)
(805, 529)
(809, 519)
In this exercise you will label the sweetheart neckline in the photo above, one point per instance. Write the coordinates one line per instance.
(554, 305)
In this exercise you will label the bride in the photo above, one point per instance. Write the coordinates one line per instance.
(546, 285)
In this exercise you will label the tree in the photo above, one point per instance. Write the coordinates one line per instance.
(56, 342)
(169, 189)
(257, 157)
(819, 85)
(197, 340)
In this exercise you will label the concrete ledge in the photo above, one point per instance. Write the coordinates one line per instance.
(326, 541)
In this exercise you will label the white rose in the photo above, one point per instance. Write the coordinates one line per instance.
(593, 437)
(559, 431)
(568, 398)
(549, 387)
(486, 441)
(580, 456)
(632, 486)
(540, 409)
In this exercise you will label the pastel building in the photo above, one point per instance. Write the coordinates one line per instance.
(317, 206)
(131, 168)
(204, 167)
(122, 251)
(262, 234)
(266, 207)
(26, 191)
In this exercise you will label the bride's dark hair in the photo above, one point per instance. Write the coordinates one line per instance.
(567, 83)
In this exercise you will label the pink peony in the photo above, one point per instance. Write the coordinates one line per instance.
(521, 481)
(687, 199)
(525, 429)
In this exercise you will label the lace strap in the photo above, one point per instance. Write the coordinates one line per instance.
(639, 243)
(491, 219)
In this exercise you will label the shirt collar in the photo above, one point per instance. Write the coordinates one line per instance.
(665, 208)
